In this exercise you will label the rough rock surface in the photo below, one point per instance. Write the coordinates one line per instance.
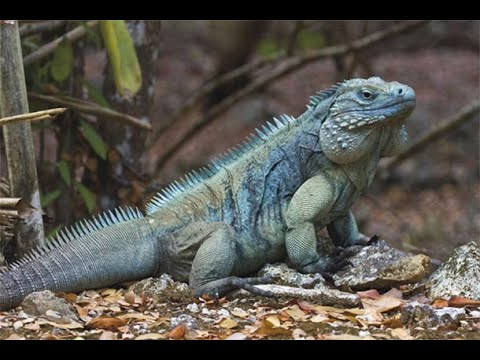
(426, 316)
(381, 266)
(283, 275)
(187, 320)
(161, 289)
(289, 282)
(458, 276)
(321, 294)
(46, 304)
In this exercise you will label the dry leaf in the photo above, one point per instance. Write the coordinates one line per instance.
(305, 305)
(228, 323)
(319, 318)
(108, 292)
(32, 327)
(17, 324)
(382, 304)
(393, 322)
(394, 292)
(439, 303)
(71, 326)
(239, 313)
(402, 334)
(368, 294)
(459, 301)
(177, 333)
(108, 335)
(15, 337)
(299, 334)
(295, 313)
(273, 320)
(150, 336)
(130, 297)
(137, 316)
(70, 297)
(266, 328)
(237, 336)
(106, 323)
(80, 310)
(344, 337)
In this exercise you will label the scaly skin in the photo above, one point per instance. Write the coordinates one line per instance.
(260, 203)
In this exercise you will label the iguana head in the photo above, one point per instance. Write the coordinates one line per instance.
(366, 114)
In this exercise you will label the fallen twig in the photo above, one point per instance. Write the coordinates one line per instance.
(289, 65)
(443, 128)
(88, 107)
(50, 47)
(34, 116)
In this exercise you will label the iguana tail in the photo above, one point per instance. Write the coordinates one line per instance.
(112, 248)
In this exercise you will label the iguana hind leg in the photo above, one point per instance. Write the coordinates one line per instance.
(213, 264)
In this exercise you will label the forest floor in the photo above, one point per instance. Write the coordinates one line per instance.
(117, 313)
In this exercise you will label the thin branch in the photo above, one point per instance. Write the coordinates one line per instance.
(293, 36)
(50, 47)
(288, 66)
(44, 26)
(88, 107)
(444, 128)
(34, 116)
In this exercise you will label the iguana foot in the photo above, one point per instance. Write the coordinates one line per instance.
(327, 266)
(217, 288)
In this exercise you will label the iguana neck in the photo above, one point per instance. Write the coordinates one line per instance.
(362, 172)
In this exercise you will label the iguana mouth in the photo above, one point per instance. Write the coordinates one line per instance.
(362, 118)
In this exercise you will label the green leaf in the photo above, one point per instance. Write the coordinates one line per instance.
(64, 170)
(310, 40)
(62, 62)
(268, 47)
(94, 139)
(95, 94)
(50, 197)
(122, 56)
(88, 197)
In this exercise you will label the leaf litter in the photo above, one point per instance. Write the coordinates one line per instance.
(119, 314)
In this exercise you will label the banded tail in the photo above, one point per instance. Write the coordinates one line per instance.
(114, 247)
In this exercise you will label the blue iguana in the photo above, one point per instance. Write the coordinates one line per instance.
(261, 202)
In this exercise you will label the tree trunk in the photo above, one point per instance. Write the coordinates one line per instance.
(19, 149)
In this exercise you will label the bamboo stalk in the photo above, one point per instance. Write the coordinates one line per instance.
(9, 202)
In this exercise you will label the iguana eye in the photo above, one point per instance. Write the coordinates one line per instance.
(367, 95)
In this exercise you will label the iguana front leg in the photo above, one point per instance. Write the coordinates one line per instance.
(312, 201)
(344, 231)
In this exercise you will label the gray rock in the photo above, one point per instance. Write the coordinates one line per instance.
(426, 316)
(46, 304)
(380, 266)
(321, 294)
(289, 282)
(459, 275)
(284, 275)
(162, 289)
(187, 320)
